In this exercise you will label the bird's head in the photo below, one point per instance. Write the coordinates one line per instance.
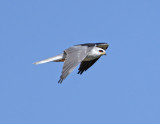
(99, 51)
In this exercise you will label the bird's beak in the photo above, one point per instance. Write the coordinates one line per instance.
(104, 53)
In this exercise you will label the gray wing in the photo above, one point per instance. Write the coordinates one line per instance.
(74, 56)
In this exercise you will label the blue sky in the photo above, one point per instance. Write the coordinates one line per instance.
(121, 88)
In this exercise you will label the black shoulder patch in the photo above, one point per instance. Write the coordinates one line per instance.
(91, 44)
(88, 44)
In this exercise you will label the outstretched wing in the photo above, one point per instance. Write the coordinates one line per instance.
(74, 56)
(101, 45)
(86, 65)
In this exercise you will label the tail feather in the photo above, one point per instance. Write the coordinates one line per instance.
(54, 58)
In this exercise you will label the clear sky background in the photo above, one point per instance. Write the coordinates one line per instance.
(121, 88)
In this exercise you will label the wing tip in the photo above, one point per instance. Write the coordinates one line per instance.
(60, 81)
(80, 72)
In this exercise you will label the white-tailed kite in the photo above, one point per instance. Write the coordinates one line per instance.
(84, 54)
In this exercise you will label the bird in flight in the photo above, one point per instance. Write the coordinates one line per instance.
(84, 54)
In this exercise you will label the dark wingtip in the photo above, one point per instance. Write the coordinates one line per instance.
(80, 72)
(60, 81)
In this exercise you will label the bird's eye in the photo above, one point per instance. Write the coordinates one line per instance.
(100, 50)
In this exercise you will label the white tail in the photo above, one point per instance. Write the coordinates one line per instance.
(54, 58)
